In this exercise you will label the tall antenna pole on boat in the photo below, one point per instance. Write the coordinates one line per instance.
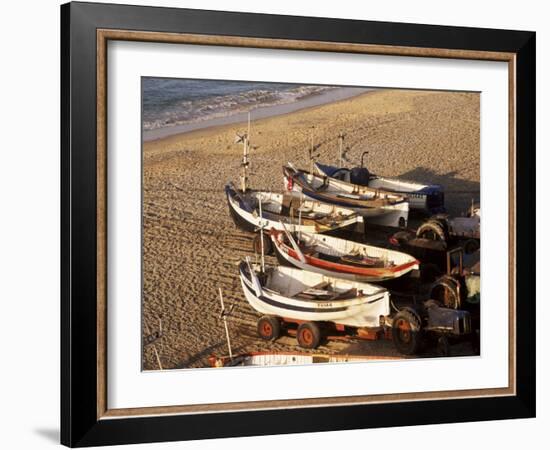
(311, 150)
(246, 148)
(300, 216)
(248, 132)
(262, 236)
(224, 316)
(244, 176)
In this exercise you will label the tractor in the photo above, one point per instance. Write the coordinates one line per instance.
(464, 230)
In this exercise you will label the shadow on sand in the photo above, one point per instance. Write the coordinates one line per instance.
(459, 193)
(201, 356)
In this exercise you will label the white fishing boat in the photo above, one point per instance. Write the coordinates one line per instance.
(376, 206)
(341, 258)
(299, 214)
(425, 197)
(303, 295)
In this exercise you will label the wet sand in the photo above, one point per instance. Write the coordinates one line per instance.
(191, 247)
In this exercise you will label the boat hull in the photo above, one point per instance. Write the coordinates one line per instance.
(357, 312)
(391, 213)
(286, 255)
(388, 216)
(247, 219)
(422, 197)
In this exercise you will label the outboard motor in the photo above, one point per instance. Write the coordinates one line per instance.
(360, 176)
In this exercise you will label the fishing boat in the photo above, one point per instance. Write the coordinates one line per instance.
(282, 291)
(252, 209)
(376, 206)
(337, 257)
(267, 359)
(423, 197)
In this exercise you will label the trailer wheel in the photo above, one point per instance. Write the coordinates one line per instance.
(406, 331)
(471, 246)
(257, 244)
(269, 328)
(432, 230)
(446, 292)
(308, 335)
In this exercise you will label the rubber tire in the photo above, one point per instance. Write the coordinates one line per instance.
(410, 343)
(308, 335)
(257, 246)
(432, 230)
(269, 328)
(470, 246)
(452, 300)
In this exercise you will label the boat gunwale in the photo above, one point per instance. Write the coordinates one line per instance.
(358, 300)
(297, 176)
(343, 268)
(235, 201)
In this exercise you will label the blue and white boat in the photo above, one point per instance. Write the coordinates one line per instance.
(292, 293)
(374, 205)
(428, 198)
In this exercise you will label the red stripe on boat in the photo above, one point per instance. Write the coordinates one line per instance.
(345, 268)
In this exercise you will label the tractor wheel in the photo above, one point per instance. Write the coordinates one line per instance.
(308, 335)
(407, 331)
(446, 292)
(471, 246)
(432, 230)
(269, 328)
(257, 244)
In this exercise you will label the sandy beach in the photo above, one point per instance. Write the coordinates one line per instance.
(191, 247)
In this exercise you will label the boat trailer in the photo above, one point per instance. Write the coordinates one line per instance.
(409, 328)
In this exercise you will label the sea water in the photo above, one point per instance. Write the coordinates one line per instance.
(186, 104)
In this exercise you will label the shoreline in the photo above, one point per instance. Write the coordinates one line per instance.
(265, 112)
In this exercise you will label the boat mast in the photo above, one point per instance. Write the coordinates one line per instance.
(262, 237)
(301, 256)
(246, 150)
(311, 151)
(300, 215)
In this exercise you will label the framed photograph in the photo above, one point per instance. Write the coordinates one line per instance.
(272, 224)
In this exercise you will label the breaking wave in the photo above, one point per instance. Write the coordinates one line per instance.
(184, 111)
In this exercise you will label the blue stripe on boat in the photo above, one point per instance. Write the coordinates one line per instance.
(277, 304)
